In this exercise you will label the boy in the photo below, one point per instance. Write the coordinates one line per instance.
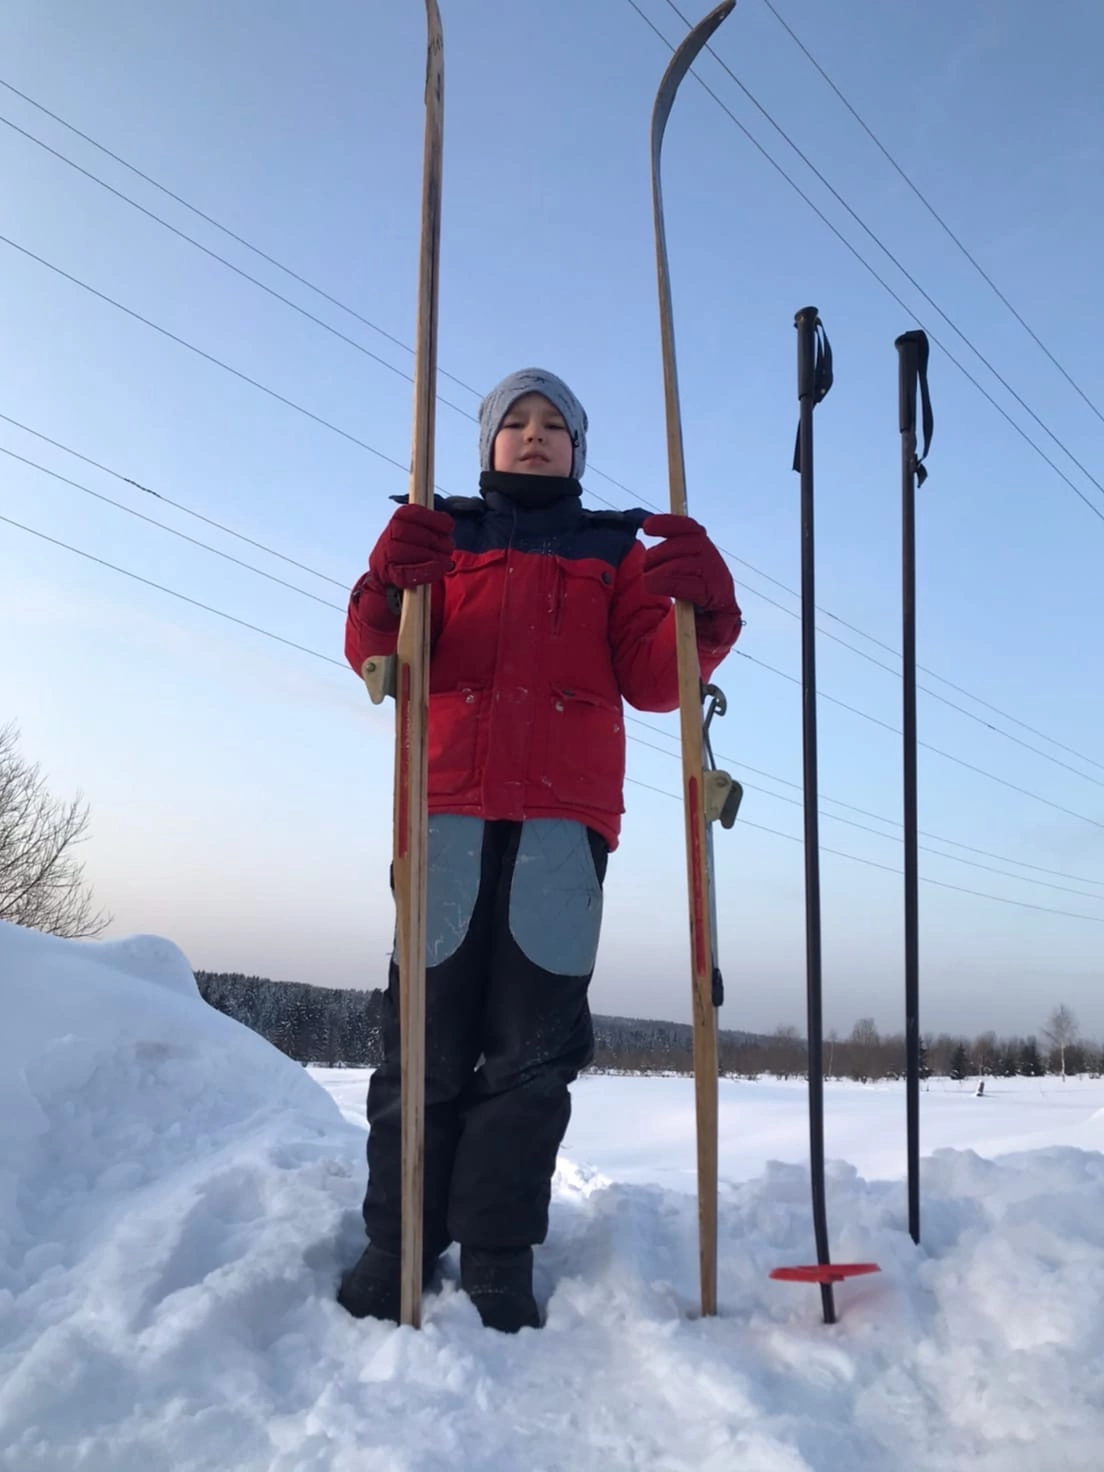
(545, 617)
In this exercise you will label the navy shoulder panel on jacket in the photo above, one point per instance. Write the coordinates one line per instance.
(607, 535)
(632, 519)
(564, 529)
(454, 505)
(461, 505)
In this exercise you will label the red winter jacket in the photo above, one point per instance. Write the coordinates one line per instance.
(541, 630)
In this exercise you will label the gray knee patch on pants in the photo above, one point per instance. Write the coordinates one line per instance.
(555, 897)
(453, 871)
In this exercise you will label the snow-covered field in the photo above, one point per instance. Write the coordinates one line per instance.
(177, 1200)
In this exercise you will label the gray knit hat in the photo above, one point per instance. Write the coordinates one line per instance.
(514, 386)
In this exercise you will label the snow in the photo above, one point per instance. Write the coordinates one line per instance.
(177, 1200)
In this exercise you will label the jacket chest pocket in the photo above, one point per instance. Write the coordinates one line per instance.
(580, 598)
(475, 583)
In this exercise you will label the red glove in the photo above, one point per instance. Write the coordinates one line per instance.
(415, 547)
(687, 565)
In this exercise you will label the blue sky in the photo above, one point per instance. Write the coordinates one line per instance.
(240, 789)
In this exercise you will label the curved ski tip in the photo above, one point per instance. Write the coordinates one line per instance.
(829, 1272)
(709, 23)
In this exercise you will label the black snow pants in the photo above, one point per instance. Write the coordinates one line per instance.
(513, 919)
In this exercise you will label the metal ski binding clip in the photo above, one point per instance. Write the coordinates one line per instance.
(723, 794)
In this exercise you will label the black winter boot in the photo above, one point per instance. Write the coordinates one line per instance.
(372, 1288)
(500, 1284)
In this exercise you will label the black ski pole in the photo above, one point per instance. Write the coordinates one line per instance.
(912, 365)
(814, 379)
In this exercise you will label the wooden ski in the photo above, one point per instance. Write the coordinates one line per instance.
(690, 707)
(411, 686)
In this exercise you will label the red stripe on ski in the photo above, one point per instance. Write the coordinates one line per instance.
(698, 895)
(402, 814)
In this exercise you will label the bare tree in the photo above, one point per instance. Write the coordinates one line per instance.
(41, 882)
(833, 1039)
(1061, 1031)
(985, 1052)
(864, 1047)
(940, 1050)
(785, 1054)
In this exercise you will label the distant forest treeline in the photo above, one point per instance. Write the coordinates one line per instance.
(324, 1025)
(316, 1024)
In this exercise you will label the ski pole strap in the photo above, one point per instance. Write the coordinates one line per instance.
(814, 371)
(912, 348)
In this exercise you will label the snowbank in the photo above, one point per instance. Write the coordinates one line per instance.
(177, 1199)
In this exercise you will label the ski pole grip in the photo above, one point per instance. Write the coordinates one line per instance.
(908, 365)
(806, 323)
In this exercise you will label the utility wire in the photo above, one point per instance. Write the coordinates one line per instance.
(880, 817)
(173, 531)
(363, 444)
(388, 365)
(168, 501)
(889, 837)
(886, 868)
(339, 608)
(340, 664)
(172, 592)
(971, 715)
(210, 220)
(223, 261)
(209, 357)
(1096, 510)
(807, 161)
(763, 664)
(294, 275)
(938, 751)
(936, 216)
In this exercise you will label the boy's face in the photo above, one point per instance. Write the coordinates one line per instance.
(533, 439)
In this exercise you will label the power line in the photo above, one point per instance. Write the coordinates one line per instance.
(1005, 716)
(881, 817)
(1096, 510)
(245, 275)
(209, 357)
(743, 562)
(173, 531)
(866, 828)
(338, 608)
(935, 213)
(937, 750)
(772, 669)
(1085, 471)
(290, 403)
(210, 220)
(363, 444)
(340, 664)
(971, 715)
(173, 593)
(223, 261)
(887, 868)
(168, 501)
(359, 347)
